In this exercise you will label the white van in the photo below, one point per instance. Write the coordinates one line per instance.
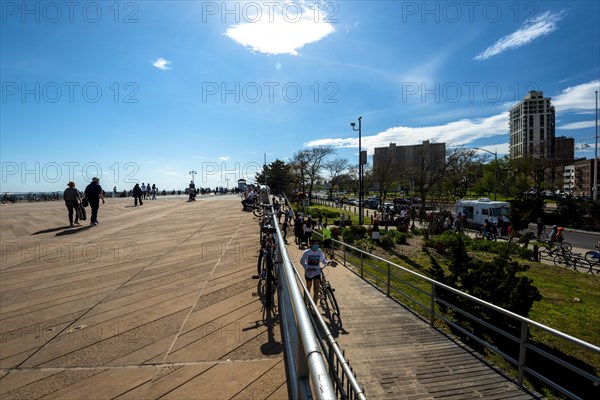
(477, 211)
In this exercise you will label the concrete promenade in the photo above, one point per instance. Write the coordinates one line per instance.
(154, 302)
(157, 303)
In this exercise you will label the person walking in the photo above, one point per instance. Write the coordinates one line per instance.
(137, 195)
(311, 260)
(93, 192)
(72, 201)
(154, 190)
(143, 188)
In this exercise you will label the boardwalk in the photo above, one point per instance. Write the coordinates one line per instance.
(157, 302)
(398, 356)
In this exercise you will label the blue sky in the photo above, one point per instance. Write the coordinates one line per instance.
(140, 91)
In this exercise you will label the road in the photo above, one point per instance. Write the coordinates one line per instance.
(581, 240)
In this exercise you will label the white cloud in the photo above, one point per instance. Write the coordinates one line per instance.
(281, 30)
(161, 64)
(577, 125)
(457, 133)
(577, 98)
(225, 158)
(534, 28)
(466, 131)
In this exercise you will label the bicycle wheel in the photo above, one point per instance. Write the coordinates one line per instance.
(257, 211)
(559, 261)
(543, 237)
(259, 266)
(566, 246)
(331, 298)
(269, 283)
(593, 257)
(479, 235)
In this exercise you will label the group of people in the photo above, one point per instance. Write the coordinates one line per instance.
(143, 192)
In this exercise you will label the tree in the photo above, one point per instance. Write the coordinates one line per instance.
(463, 167)
(299, 165)
(338, 171)
(279, 176)
(315, 160)
(384, 175)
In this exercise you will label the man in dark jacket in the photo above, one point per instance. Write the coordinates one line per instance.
(137, 194)
(93, 192)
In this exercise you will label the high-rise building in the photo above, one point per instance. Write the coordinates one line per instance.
(564, 150)
(532, 127)
(412, 156)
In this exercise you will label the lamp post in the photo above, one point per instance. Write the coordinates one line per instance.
(360, 170)
(495, 154)
(193, 173)
(595, 189)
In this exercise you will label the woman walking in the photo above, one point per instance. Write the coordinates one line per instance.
(72, 200)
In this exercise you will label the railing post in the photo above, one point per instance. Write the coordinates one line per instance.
(388, 279)
(344, 247)
(432, 318)
(522, 352)
(362, 275)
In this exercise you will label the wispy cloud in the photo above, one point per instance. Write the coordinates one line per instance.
(224, 158)
(279, 31)
(577, 125)
(533, 28)
(577, 98)
(460, 132)
(161, 64)
(466, 131)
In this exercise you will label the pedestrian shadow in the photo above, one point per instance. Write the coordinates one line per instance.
(51, 230)
(131, 206)
(73, 231)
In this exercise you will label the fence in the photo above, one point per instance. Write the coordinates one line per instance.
(313, 356)
(425, 295)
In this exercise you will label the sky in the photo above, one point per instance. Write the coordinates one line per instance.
(150, 91)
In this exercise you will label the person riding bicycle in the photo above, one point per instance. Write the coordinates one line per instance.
(485, 229)
(311, 260)
(556, 236)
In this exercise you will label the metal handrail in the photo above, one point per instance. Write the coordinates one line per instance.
(526, 323)
(330, 348)
(306, 359)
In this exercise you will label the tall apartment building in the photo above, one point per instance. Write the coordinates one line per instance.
(564, 150)
(412, 156)
(532, 127)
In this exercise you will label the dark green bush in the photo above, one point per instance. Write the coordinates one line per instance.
(501, 248)
(446, 240)
(386, 242)
(401, 237)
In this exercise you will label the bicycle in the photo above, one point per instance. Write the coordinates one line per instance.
(328, 300)
(266, 270)
(9, 198)
(593, 258)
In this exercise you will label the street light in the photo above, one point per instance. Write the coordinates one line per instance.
(495, 154)
(360, 170)
(193, 173)
(595, 192)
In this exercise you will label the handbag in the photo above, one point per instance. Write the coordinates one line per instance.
(81, 213)
(85, 202)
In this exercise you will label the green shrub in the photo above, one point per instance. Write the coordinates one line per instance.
(401, 237)
(335, 232)
(354, 233)
(501, 248)
(447, 239)
(386, 241)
